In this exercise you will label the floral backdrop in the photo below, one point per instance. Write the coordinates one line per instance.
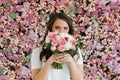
(23, 24)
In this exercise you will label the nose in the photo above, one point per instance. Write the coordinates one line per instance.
(61, 30)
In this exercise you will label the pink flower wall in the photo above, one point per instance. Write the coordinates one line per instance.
(23, 24)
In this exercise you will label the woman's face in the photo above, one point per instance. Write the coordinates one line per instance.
(60, 26)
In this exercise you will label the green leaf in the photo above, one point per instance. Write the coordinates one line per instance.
(2, 70)
(55, 51)
(70, 9)
(101, 78)
(80, 45)
(13, 15)
(71, 52)
(7, 5)
(48, 45)
(45, 17)
(9, 51)
(90, 56)
(102, 66)
(57, 65)
(4, 42)
(26, 60)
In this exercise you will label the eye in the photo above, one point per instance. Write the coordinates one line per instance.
(65, 28)
(57, 27)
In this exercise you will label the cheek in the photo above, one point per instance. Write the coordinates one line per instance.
(67, 31)
(53, 29)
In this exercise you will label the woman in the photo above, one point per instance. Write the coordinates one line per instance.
(42, 59)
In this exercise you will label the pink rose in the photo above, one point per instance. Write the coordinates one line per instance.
(62, 41)
(54, 43)
(53, 37)
(61, 47)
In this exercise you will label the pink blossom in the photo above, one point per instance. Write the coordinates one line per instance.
(27, 49)
(82, 29)
(107, 15)
(52, 2)
(54, 42)
(4, 77)
(53, 37)
(106, 27)
(24, 8)
(111, 28)
(113, 1)
(89, 43)
(24, 71)
(109, 57)
(99, 30)
(62, 41)
(104, 42)
(4, 59)
(15, 49)
(61, 47)
(32, 35)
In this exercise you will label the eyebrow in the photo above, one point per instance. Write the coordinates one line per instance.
(59, 26)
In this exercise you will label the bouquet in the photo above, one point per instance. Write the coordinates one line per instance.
(60, 43)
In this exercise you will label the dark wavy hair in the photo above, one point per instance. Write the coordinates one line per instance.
(53, 17)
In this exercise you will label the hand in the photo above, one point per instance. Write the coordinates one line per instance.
(61, 58)
(51, 59)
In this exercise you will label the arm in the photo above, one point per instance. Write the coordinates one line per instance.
(41, 74)
(77, 67)
(76, 71)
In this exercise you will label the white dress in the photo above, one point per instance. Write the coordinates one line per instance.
(54, 74)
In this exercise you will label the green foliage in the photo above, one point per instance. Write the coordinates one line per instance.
(2, 70)
(13, 15)
(26, 60)
(103, 49)
(7, 5)
(80, 44)
(71, 52)
(4, 42)
(47, 45)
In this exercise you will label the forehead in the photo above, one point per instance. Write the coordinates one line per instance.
(60, 22)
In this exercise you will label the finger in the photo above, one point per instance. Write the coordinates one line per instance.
(56, 58)
(58, 61)
(63, 59)
(59, 57)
